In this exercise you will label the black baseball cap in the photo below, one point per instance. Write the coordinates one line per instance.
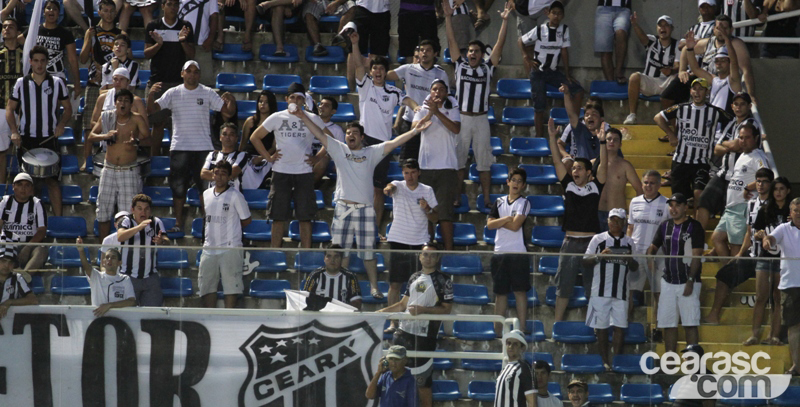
(557, 4)
(694, 348)
(297, 88)
(745, 96)
(678, 197)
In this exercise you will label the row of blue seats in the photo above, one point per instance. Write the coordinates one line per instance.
(520, 89)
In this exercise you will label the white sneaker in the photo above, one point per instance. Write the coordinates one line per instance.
(631, 119)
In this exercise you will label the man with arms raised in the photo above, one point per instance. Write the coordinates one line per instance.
(620, 174)
(109, 288)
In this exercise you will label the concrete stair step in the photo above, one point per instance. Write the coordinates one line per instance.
(726, 334)
(639, 132)
(737, 299)
(646, 162)
(650, 147)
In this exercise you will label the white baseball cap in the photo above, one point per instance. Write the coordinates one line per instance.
(666, 18)
(189, 63)
(709, 2)
(121, 214)
(618, 212)
(23, 177)
(517, 335)
(122, 71)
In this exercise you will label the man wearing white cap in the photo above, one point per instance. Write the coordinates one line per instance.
(514, 386)
(660, 65)
(111, 240)
(23, 219)
(608, 304)
(191, 130)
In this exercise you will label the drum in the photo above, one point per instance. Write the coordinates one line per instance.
(99, 161)
(41, 163)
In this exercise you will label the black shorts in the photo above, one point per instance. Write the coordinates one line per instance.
(403, 264)
(411, 147)
(737, 272)
(714, 195)
(686, 178)
(381, 173)
(790, 300)
(413, 27)
(185, 166)
(288, 187)
(29, 143)
(420, 343)
(373, 29)
(678, 91)
(511, 272)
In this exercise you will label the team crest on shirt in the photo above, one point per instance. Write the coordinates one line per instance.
(226, 207)
(31, 217)
(421, 287)
(385, 98)
(685, 236)
(200, 102)
(48, 91)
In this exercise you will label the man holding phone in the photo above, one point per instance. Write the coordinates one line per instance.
(393, 382)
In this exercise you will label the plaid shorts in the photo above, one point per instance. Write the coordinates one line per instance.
(117, 189)
(90, 99)
(358, 220)
(317, 8)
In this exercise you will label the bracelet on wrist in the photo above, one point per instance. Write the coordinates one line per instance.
(603, 142)
(690, 49)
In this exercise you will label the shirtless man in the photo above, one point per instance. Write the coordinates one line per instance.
(620, 172)
(120, 180)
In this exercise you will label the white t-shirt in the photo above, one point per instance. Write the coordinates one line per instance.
(224, 213)
(374, 6)
(507, 240)
(190, 12)
(744, 172)
(191, 126)
(376, 105)
(787, 236)
(335, 130)
(646, 216)
(437, 149)
(353, 168)
(109, 242)
(106, 288)
(549, 401)
(253, 174)
(410, 223)
(293, 139)
(417, 83)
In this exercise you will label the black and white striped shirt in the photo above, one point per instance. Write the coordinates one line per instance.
(695, 128)
(21, 220)
(610, 275)
(731, 132)
(614, 3)
(236, 158)
(735, 10)
(547, 44)
(14, 288)
(753, 209)
(706, 59)
(462, 9)
(722, 94)
(473, 85)
(38, 104)
(343, 286)
(659, 56)
(704, 29)
(140, 262)
(514, 383)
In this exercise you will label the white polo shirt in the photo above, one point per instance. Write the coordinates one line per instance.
(417, 81)
(107, 288)
(787, 236)
(437, 147)
(744, 172)
(410, 224)
(224, 215)
(191, 127)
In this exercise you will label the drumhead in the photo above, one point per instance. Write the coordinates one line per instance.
(40, 157)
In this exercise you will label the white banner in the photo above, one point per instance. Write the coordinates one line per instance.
(64, 356)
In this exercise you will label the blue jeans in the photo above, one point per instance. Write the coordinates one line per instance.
(539, 82)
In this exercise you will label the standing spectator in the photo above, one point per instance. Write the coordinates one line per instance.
(267, 104)
(514, 386)
(437, 154)
(620, 174)
(314, 10)
(97, 50)
(578, 140)
(169, 43)
(23, 219)
(247, 10)
(11, 58)
(416, 22)
(645, 214)
(612, 22)
(429, 292)
(119, 59)
(550, 43)
(226, 215)
(38, 126)
(462, 24)
(121, 178)
(769, 217)
(276, 11)
(417, 78)
(16, 291)
(76, 11)
(740, 10)
(121, 81)
(680, 290)
(109, 288)
(511, 264)
(707, 49)
(582, 190)
(141, 229)
(787, 237)
(393, 382)
(541, 378)
(292, 174)
(327, 108)
(191, 132)
(786, 27)
(334, 281)
(373, 19)
(578, 393)
(608, 304)
(203, 16)
(415, 205)
(60, 45)
(473, 85)
(727, 82)
(145, 7)
(229, 136)
(660, 65)
(693, 139)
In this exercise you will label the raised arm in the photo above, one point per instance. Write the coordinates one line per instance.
(398, 141)
(569, 106)
(152, 105)
(735, 76)
(561, 169)
(640, 34)
(318, 133)
(497, 51)
(603, 170)
(87, 267)
(692, 59)
(86, 51)
(74, 67)
(455, 52)
(355, 58)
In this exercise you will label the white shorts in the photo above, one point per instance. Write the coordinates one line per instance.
(636, 279)
(5, 131)
(673, 307)
(605, 312)
(211, 271)
(650, 86)
(475, 131)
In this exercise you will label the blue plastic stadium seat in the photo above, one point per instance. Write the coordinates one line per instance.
(463, 234)
(78, 45)
(335, 56)
(463, 205)
(272, 289)
(64, 257)
(366, 298)
(600, 393)
(634, 334)
(519, 89)
(68, 138)
(96, 229)
(172, 259)
(548, 265)
(495, 144)
(246, 108)
(256, 198)
(259, 230)
(318, 198)
(232, 52)
(537, 331)
(788, 398)
(268, 261)
(745, 402)
(345, 113)
(266, 51)
(144, 76)
(654, 98)
(582, 363)
(395, 173)
(532, 357)
(482, 365)
(236, 82)
(555, 390)
(37, 284)
(573, 332)
(470, 294)
(320, 231)
(539, 174)
(67, 227)
(69, 164)
(176, 287)
(488, 235)
(445, 390)
(481, 390)
(159, 166)
(329, 85)
(356, 265)
(531, 295)
(609, 90)
(473, 331)
(93, 194)
(442, 363)
(307, 262)
(577, 300)
(197, 228)
(137, 49)
(193, 197)
(560, 116)
(629, 364)
(330, 20)
(518, 116)
(83, 73)
(461, 264)
(169, 223)
(162, 196)
(554, 93)
(529, 147)
(278, 83)
(499, 174)
(486, 209)
(70, 195)
(446, 56)
(546, 205)
(547, 236)
(642, 393)
(70, 285)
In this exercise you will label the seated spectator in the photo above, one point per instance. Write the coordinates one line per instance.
(784, 28)
(541, 377)
(16, 291)
(393, 382)
(28, 228)
(334, 281)
(60, 45)
(109, 288)
(111, 240)
(612, 23)
(578, 393)
(515, 383)
(267, 104)
(145, 7)
(119, 59)
(204, 17)
(247, 10)
(229, 136)
(277, 11)
(313, 10)
(660, 66)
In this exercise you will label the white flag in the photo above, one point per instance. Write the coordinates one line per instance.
(33, 35)
(296, 301)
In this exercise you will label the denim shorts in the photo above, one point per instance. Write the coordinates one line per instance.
(607, 21)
